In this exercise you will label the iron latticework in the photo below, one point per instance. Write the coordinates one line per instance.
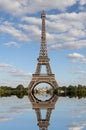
(43, 49)
(43, 59)
(43, 56)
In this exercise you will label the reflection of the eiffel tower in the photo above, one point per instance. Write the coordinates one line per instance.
(48, 105)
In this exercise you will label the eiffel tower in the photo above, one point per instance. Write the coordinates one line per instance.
(43, 60)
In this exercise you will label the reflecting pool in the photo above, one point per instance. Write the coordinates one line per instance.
(17, 113)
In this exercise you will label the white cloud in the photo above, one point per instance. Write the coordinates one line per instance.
(76, 57)
(19, 73)
(68, 16)
(79, 44)
(82, 73)
(71, 23)
(5, 65)
(9, 44)
(83, 60)
(15, 7)
(1, 69)
(76, 128)
(5, 118)
(18, 7)
(32, 20)
(14, 76)
(74, 68)
(32, 30)
(80, 76)
(82, 2)
(6, 27)
(57, 26)
(77, 33)
(82, 5)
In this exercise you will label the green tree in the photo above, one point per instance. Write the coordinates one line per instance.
(20, 87)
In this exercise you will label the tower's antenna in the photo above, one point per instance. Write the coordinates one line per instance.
(43, 48)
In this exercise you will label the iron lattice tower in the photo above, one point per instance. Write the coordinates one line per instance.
(43, 59)
(43, 56)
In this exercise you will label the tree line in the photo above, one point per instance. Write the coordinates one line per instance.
(20, 91)
(73, 91)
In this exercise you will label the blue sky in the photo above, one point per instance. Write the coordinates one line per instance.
(20, 36)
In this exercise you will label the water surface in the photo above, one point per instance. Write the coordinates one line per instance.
(16, 113)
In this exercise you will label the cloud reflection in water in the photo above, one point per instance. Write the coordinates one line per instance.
(78, 125)
(10, 106)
